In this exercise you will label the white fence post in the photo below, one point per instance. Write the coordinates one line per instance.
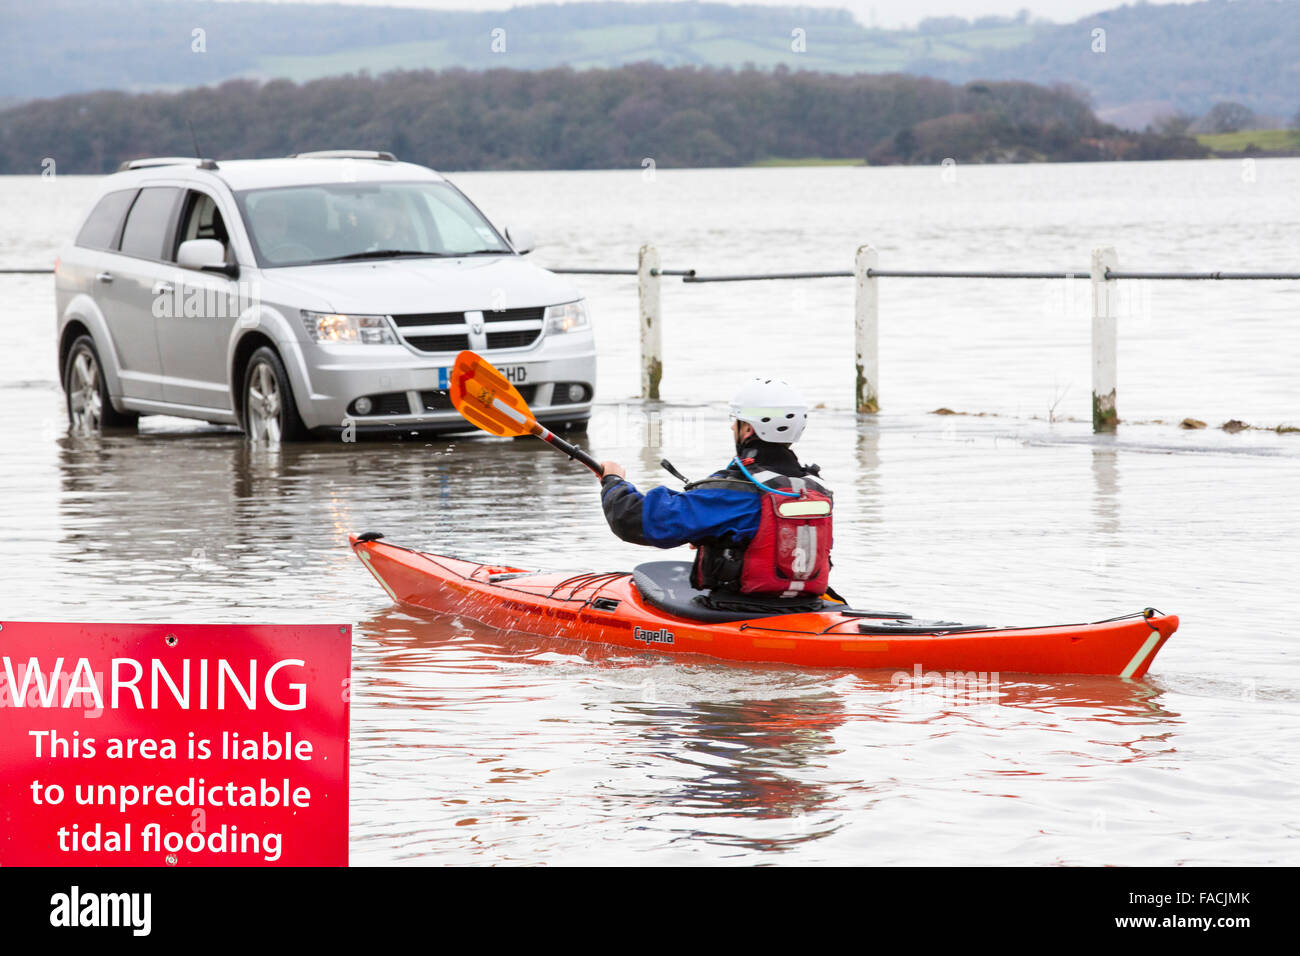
(866, 330)
(652, 365)
(1105, 309)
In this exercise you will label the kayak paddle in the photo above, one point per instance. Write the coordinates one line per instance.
(487, 400)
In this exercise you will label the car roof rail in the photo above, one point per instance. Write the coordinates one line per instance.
(380, 154)
(152, 161)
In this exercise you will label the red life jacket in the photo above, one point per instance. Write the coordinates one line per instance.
(790, 554)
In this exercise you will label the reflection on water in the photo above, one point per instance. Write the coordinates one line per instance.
(695, 754)
(747, 758)
(1106, 491)
(866, 471)
(187, 505)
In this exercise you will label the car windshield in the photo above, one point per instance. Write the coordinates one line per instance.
(302, 225)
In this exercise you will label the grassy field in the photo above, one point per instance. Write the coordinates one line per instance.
(1265, 139)
(809, 161)
(700, 42)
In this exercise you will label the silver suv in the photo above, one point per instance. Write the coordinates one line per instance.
(321, 292)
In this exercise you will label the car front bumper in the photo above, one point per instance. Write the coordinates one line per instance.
(411, 394)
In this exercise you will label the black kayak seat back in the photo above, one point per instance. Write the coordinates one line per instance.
(666, 586)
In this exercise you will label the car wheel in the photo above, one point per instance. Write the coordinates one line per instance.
(90, 411)
(269, 413)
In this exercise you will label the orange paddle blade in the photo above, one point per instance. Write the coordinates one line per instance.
(486, 399)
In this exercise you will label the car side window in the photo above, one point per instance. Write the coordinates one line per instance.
(202, 220)
(150, 221)
(105, 220)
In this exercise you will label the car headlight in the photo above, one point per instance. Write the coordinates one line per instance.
(569, 317)
(338, 329)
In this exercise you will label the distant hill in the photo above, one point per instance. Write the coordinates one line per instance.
(1152, 59)
(1157, 59)
(65, 46)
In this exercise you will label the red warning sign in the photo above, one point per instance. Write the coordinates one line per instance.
(174, 745)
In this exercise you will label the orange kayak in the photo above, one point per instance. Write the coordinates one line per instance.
(655, 608)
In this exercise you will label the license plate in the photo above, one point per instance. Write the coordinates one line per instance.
(515, 375)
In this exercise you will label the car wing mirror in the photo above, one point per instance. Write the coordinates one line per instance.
(521, 239)
(205, 255)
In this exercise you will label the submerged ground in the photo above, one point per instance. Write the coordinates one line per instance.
(471, 745)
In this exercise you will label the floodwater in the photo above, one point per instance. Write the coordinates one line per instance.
(475, 746)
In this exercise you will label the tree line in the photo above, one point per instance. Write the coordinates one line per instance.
(591, 119)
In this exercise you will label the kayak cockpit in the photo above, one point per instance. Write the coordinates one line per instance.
(666, 586)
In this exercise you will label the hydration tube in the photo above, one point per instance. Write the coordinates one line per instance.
(776, 491)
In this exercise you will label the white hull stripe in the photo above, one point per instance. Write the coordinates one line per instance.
(1147, 647)
(365, 556)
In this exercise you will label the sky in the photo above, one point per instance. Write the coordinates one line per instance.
(882, 13)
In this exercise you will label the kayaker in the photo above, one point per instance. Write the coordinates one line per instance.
(761, 526)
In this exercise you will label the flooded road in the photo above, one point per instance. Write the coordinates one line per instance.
(476, 746)
(471, 745)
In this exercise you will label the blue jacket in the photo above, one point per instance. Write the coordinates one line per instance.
(720, 511)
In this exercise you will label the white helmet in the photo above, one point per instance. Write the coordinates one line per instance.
(777, 412)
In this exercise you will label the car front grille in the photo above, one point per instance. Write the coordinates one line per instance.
(429, 318)
(423, 331)
(439, 343)
(391, 403)
(432, 332)
(512, 340)
(436, 401)
(385, 403)
(515, 338)
(516, 315)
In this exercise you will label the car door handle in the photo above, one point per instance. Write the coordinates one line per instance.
(105, 277)
(163, 288)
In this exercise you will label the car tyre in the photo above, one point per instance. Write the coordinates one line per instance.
(269, 412)
(90, 410)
